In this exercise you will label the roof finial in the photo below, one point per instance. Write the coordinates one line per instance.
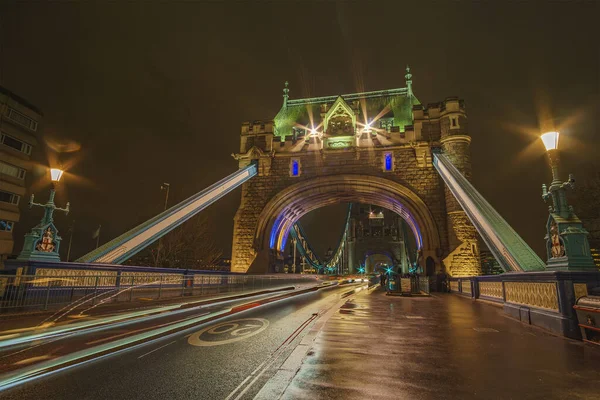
(285, 94)
(408, 78)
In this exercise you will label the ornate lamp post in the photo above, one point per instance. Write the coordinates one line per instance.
(43, 242)
(567, 244)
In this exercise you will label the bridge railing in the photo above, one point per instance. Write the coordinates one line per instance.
(544, 299)
(34, 292)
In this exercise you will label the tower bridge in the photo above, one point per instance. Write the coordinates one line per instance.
(373, 147)
(383, 148)
(380, 148)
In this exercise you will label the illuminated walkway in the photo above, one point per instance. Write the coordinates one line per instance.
(446, 347)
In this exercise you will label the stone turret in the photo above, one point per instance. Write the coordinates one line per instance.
(455, 141)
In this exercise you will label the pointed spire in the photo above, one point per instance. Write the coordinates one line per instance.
(285, 94)
(408, 78)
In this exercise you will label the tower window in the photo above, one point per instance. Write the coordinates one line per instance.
(295, 167)
(454, 122)
(388, 162)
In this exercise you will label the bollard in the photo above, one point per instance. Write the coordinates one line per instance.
(160, 287)
(95, 291)
(47, 296)
(131, 290)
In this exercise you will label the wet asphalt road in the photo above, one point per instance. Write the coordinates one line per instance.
(177, 367)
(443, 347)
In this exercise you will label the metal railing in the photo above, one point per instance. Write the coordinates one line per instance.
(412, 284)
(30, 292)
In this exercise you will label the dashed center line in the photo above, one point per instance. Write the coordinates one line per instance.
(161, 347)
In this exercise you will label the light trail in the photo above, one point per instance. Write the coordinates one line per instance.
(85, 356)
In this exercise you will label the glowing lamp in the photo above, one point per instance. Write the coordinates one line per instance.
(550, 140)
(56, 174)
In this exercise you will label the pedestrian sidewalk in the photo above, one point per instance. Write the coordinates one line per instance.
(441, 347)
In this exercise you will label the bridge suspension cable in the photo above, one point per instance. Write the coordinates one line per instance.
(133, 241)
(508, 247)
(308, 253)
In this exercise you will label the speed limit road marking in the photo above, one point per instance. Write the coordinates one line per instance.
(228, 332)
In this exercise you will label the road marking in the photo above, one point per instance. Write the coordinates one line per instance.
(141, 330)
(487, 330)
(228, 332)
(161, 347)
(265, 365)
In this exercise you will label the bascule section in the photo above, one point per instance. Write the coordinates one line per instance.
(370, 148)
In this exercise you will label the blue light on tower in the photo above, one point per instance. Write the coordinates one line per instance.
(295, 168)
(388, 161)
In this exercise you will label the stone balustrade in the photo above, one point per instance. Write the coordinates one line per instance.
(543, 299)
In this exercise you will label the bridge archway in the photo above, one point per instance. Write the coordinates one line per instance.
(289, 205)
(374, 261)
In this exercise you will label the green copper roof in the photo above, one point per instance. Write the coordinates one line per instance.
(299, 111)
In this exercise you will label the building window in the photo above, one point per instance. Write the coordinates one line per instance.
(454, 122)
(388, 162)
(22, 119)
(6, 226)
(11, 170)
(15, 143)
(8, 197)
(295, 167)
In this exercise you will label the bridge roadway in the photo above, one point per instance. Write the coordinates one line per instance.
(367, 345)
(209, 365)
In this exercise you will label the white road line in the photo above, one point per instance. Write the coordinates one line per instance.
(262, 368)
(161, 347)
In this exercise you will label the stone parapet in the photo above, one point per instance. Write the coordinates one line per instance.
(543, 299)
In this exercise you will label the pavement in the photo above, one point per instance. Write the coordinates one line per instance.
(441, 347)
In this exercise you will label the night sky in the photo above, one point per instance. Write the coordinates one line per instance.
(139, 94)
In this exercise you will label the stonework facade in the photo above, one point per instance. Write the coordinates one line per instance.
(371, 148)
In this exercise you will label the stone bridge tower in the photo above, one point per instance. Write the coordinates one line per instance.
(370, 147)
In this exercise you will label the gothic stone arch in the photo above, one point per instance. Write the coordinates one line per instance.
(385, 162)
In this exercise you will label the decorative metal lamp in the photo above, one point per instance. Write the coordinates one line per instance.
(43, 242)
(567, 244)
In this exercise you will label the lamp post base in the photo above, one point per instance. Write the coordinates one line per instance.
(571, 264)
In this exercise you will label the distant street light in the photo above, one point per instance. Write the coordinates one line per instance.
(165, 186)
(567, 245)
(43, 242)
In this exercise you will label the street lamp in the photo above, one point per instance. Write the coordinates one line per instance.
(165, 186)
(56, 174)
(43, 242)
(567, 244)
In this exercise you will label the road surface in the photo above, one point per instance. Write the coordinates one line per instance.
(230, 358)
